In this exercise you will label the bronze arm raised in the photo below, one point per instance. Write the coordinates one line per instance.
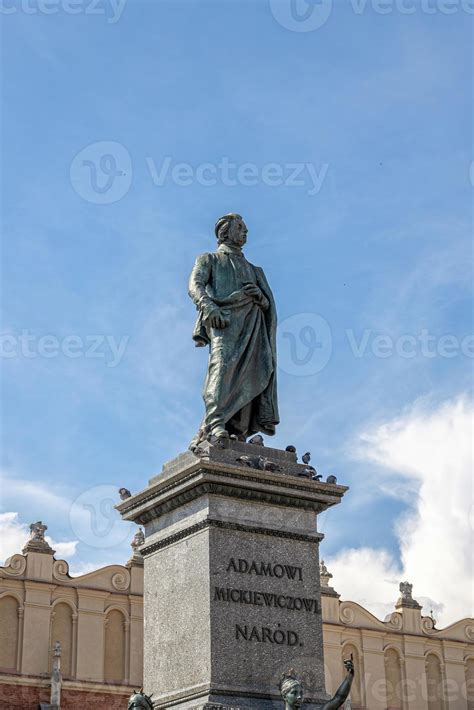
(343, 690)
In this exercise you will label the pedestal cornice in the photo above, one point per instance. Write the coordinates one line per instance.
(198, 477)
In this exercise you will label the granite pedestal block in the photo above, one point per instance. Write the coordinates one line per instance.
(232, 591)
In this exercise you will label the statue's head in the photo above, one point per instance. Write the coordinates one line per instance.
(291, 690)
(140, 701)
(231, 229)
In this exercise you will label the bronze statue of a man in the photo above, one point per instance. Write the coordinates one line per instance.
(237, 319)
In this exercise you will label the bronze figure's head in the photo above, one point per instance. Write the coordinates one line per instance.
(140, 701)
(291, 691)
(231, 229)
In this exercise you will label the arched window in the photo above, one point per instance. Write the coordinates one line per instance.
(61, 630)
(470, 683)
(434, 682)
(356, 692)
(114, 661)
(8, 632)
(393, 677)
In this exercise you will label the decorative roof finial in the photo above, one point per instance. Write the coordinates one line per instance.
(406, 599)
(137, 542)
(37, 542)
(325, 575)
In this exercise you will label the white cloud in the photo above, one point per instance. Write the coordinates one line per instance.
(64, 550)
(430, 453)
(13, 535)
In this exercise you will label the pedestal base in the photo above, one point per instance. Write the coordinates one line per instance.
(232, 592)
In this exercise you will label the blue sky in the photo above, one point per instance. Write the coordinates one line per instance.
(369, 113)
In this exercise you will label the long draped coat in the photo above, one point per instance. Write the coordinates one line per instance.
(240, 387)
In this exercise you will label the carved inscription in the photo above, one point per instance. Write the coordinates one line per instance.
(266, 635)
(265, 569)
(278, 601)
(267, 599)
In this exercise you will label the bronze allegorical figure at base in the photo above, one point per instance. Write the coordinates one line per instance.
(292, 690)
(237, 320)
(139, 701)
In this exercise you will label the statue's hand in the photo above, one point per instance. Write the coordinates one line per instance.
(349, 665)
(259, 297)
(217, 319)
(253, 291)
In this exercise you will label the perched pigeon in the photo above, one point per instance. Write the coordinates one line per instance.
(259, 462)
(124, 493)
(267, 465)
(331, 479)
(306, 458)
(316, 476)
(257, 440)
(248, 461)
(291, 449)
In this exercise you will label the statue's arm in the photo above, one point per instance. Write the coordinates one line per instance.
(200, 276)
(343, 690)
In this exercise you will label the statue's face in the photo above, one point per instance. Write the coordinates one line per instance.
(237, 234)
(295, 697)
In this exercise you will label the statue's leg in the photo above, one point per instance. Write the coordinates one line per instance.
(240, 422)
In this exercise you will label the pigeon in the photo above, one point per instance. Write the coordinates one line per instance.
(124, 493)
(331, 479)
(291, 449)
(256, 440)
(267, 465)
(316, 476)
(306, 458)
(248, 461)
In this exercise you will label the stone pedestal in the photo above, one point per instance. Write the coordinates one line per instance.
(232, 591)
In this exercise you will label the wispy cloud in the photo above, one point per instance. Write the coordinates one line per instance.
(429, 452)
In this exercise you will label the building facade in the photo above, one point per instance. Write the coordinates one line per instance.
(96, 618)
(403, 662)
(81, 640)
